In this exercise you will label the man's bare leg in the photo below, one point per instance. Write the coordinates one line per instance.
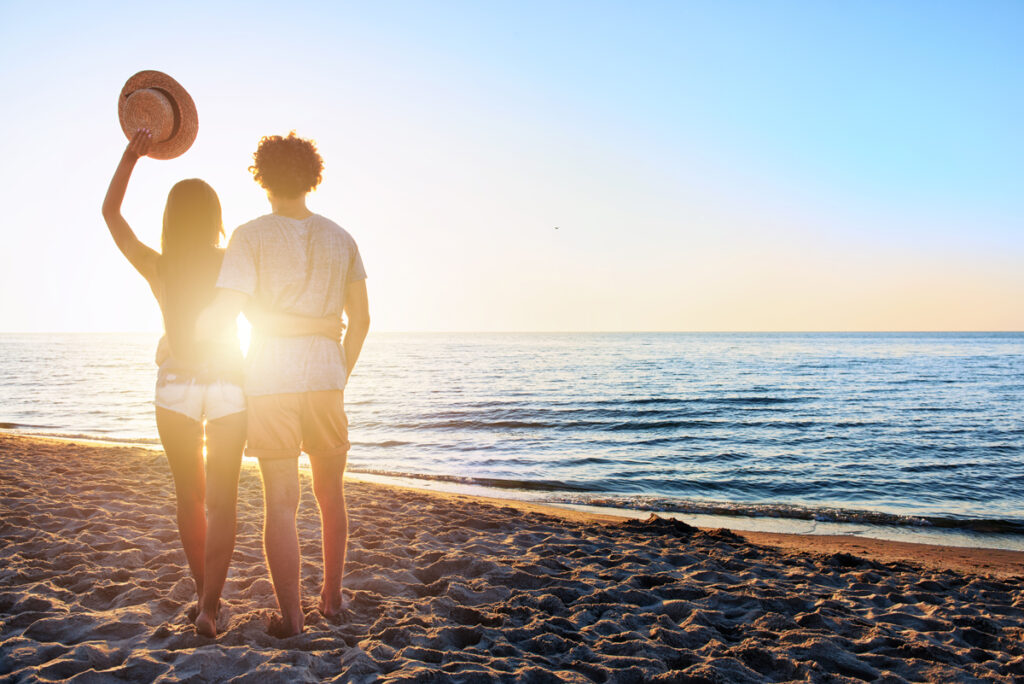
(281, 539)
(329, 488)
(182, 440)
(225, 439)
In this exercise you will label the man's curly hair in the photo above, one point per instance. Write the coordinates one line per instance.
(287, 167)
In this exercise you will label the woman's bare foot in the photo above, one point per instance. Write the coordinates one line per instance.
(334, 609)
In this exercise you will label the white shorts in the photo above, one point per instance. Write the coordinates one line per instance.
(198, 400)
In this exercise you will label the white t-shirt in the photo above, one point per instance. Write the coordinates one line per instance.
(300, 267)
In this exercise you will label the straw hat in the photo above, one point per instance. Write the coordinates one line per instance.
(154, 100)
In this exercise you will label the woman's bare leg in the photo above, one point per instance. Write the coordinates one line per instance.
(225, 439)
(182, 439)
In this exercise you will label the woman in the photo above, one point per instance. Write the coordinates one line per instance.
(197, 383)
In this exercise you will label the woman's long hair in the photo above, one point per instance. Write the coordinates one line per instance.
(189, 262)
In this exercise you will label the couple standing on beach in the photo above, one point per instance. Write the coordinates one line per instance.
(293, 273)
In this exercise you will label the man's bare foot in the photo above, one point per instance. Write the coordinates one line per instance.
(206, 624)
(334, 609)
(206, 621)
(281, 629)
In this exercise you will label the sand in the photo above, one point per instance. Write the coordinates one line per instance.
(94, 587)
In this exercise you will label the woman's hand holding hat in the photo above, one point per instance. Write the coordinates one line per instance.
(140, 143)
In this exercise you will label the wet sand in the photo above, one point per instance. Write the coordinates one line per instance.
(94, 587)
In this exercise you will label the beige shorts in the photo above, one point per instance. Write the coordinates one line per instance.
(282, 425)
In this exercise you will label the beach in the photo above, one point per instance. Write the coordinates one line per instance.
(94, 587)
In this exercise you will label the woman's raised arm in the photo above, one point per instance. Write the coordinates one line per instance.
(143, 258)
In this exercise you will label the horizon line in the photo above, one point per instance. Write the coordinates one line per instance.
(552, 332)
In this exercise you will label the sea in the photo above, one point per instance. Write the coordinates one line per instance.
(909, 436)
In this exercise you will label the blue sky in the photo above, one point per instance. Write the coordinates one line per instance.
(711, 166)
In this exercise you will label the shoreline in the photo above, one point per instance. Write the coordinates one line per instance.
(770, 527)
(449, 587)
(997, 561)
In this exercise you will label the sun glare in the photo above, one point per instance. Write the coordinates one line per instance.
(244, 333)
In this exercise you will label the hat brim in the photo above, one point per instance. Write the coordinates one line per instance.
(186, 119)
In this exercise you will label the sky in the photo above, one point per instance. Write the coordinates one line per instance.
(549, 166)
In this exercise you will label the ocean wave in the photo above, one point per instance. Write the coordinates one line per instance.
(500, 424)
(641, 426)
(759, 400)
(581, 494)
(91, 437)
(23, 426)
(795, 512)
(494, 482)
(636, 424)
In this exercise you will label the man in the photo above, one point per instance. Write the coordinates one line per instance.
(298, 262)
